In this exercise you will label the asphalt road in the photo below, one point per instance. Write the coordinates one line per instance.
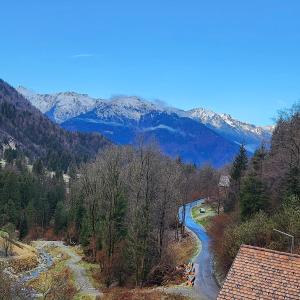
(205, 283)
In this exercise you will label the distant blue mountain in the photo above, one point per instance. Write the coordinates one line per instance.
(177, 136)
(199, 136)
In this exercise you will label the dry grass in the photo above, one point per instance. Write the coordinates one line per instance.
(45, 277)
(85, 297)
(184, 250)
(139, 294)
(19, 249)
(24, 257)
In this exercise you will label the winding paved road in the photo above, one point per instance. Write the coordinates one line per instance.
(205, 283)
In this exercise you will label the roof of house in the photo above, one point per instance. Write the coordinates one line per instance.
(259, 273)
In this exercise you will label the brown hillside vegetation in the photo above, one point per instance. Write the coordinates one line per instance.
(23, 257)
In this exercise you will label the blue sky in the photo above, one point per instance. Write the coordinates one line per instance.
(238, 57)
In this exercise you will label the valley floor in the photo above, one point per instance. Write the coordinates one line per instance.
(193, 247)
(58, 257)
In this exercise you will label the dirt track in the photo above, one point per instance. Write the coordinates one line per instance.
(82, 280)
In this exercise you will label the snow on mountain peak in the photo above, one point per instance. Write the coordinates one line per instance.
(60, 106)
(63, 106)
(129, 107)
(226, 125)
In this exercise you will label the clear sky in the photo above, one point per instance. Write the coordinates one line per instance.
(240, 57)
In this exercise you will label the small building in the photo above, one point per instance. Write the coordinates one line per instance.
(224, 184)
(259, 273)
(224, 181)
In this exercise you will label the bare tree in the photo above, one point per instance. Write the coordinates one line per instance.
(143, 187)
(187, 188)
(131, 197)
(167, 204)
(7, 246)
(90, 189)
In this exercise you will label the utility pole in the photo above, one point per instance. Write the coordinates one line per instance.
(290, 236)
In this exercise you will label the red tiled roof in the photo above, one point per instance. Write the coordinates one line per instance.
(259, 273)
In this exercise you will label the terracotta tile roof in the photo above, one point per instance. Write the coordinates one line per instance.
(259, 273)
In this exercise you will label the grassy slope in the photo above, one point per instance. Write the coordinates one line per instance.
(19, 249)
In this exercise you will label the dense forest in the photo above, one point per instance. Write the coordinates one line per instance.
(30, 202)
(122, 207)
(124, 210)
(264, 195)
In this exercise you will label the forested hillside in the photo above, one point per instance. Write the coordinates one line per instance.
(124, 210)
(30, 202)
(264, 195)
(37, 137)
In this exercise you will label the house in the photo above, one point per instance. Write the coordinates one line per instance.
(223, 189)
(224, 184)
(224, 181)
(259, 273)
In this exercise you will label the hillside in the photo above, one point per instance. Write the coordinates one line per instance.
(34, 135)
(176, 136)
(234, 130)
(61, 107)
(198, 136)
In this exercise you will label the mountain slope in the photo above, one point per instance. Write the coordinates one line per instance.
(36, 136)
(61, 107)
(122, 118)
(176, 135)
(240, 132)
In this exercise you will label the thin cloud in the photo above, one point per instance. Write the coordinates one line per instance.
(82, 55)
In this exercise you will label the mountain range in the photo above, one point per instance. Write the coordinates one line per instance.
(25, 129)
(198, 135)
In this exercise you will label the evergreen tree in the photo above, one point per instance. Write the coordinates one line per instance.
(252, 194)
(23, 227)
(239, 165)
(293, 182)
(252, 197)
(60, 217)
(85, 231)
(38, 167)
(72, 171)
(10, 155)
(238, 169)
(258, 159)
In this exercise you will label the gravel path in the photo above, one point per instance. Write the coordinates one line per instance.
(82, 280)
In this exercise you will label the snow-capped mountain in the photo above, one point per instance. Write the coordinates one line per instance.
(198, 135)
(240, 132)
(60, 107)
